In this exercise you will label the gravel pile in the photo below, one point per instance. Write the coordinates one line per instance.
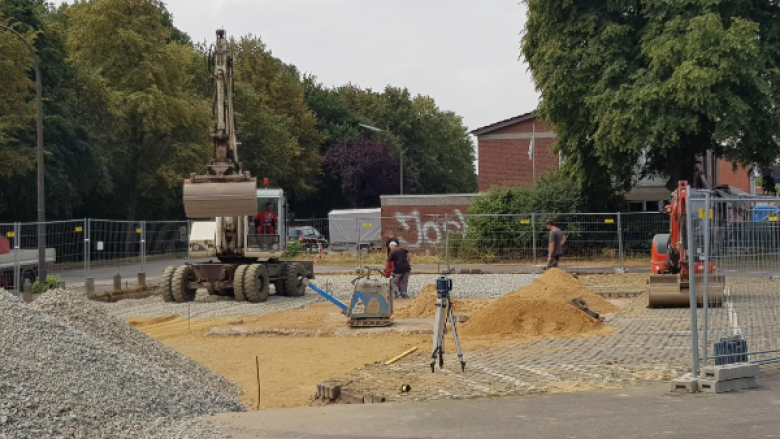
(85, 315)
(58, 381)
(466, 286)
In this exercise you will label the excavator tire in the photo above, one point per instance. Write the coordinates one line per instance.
(165, 284)
(293, 285)
(238, 283)
(256, 283)
(181, 277)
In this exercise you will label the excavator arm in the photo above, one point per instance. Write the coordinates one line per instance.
(225, 190)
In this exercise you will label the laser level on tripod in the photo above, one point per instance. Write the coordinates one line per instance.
(443, 315)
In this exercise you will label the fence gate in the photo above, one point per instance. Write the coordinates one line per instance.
(739, 239)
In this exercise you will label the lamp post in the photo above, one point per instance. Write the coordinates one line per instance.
(379, 130)
(41, 199)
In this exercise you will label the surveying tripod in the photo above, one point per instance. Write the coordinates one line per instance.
(444, 314)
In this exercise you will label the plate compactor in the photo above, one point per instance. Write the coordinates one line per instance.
(371, 304)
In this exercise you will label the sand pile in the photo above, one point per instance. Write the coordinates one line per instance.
(424, 305)
(541, 310)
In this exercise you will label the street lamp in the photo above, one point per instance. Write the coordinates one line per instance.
(379, 130)
(41, 200)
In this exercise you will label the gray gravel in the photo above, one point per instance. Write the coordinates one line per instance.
(482, 286)
(59, 381)
(77, 311)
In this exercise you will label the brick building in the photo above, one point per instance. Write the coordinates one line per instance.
(503, 152)
(505, 160)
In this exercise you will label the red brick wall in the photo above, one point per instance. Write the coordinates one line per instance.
(505, 162)
(738, 178)
(423, 226)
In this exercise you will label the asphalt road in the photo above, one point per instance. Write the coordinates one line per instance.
(636, 412)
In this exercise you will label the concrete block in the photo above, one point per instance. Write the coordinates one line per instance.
(728, 372)
(685, 385)
(349, 398)
(141, 280)
(117, 282)
(90, 285)
(27, 291)
(61, 284)
(711, 386)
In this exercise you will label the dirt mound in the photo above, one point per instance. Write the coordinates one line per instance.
(541, 310)
(424, 305)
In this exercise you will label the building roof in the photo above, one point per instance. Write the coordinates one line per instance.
(504, 123)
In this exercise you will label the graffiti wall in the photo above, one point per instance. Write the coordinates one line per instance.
(423, 221)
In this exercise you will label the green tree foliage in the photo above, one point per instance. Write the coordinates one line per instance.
(277, 130)
(127, 112)
(156, 121)
(669, 79)
(437, 151)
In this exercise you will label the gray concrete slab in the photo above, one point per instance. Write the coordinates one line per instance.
(638, 412)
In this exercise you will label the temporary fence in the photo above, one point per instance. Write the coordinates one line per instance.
(73, 248)
(599, 238)
(735, 242)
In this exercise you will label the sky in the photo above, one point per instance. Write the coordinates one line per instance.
(463, 53)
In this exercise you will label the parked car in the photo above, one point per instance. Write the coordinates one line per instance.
(310, 237)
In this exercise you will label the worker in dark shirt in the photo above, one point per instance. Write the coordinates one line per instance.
(389, 237)
(555, 248)
(401, 260)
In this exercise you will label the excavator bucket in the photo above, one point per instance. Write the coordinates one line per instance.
(669, 290)
(220, 198)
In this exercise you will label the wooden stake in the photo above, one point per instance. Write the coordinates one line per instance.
(257, 367)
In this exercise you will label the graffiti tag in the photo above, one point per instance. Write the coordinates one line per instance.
(428, 232)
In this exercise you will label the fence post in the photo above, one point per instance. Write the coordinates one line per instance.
(17, 272)
(85, 230)
(620, 239)
(706, 271)
(143, 246)
(447, 239)
(533, 235)
(357, 246)
(692, 288)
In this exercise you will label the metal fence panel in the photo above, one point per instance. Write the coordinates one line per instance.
(8, 254)
(114, 243)
(743, 250)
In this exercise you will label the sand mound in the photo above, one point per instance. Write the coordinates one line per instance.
(540, 310)
(424, 305)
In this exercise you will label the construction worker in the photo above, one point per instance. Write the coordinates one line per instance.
(401, 260)
(555, 248)
(389, 237)
(265, 220)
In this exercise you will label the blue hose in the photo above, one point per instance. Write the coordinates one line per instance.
(329, 298)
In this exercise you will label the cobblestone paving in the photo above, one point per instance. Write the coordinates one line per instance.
(650, 345)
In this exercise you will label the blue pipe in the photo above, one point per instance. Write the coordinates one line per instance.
(330, 298)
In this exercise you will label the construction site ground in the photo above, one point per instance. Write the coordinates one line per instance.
(301, 342)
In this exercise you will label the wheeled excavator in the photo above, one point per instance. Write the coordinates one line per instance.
(226, 198)
(669, 282)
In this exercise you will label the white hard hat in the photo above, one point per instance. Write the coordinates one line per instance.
(393, 244)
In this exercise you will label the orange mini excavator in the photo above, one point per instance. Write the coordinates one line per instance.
(669, 284)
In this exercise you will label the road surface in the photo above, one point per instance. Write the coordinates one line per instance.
(636, 412)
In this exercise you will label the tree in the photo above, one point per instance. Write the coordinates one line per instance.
(365, 169)
(277, 130)
(157, 130)
(669, 80)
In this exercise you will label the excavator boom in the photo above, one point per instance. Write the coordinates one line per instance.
(225, 190)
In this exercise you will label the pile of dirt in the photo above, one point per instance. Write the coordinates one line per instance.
(541, 310)
(424, 305)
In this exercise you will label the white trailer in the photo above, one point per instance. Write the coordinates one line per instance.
(353, 229)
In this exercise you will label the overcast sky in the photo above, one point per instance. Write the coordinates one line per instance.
(463, 53)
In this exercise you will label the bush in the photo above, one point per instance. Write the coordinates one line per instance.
(294, 248)
(51, 282)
